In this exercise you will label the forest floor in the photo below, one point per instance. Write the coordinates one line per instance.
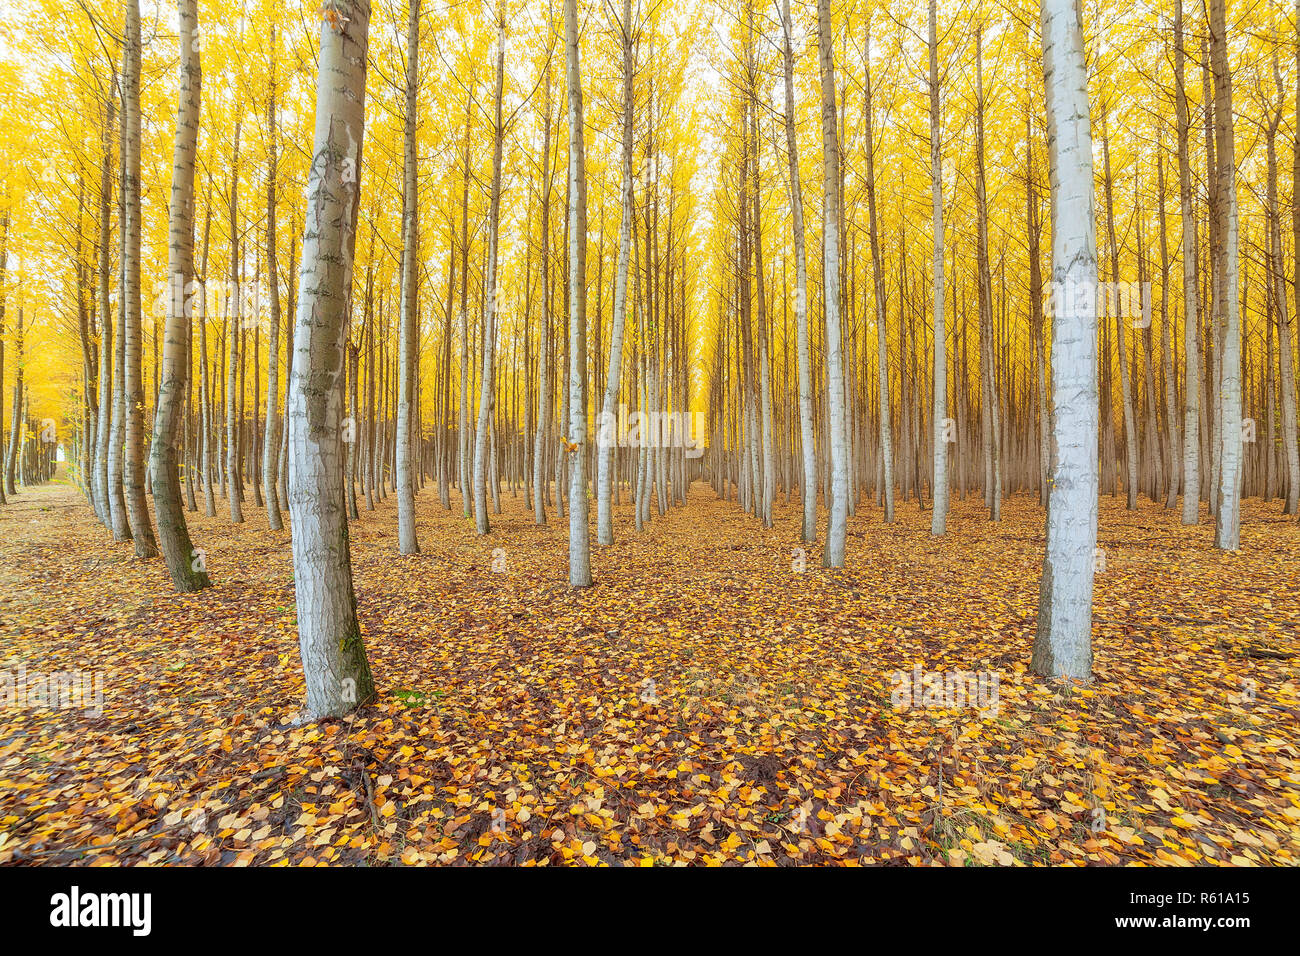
(705, 702)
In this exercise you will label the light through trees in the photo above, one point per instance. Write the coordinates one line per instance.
(830, 263)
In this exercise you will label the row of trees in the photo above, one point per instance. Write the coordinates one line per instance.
(28, 448)
(949, 373)
(459, 352)
(999, 391)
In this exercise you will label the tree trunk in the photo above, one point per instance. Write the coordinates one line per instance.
(1173, 436)
(1191, 292)
(117, 428)
(1228, 517)
(184, 564)
(878, 288)
(407, 542)
(103, 426)
(940, 424)
(545, 389)
(837, 531)
(808, 489)
(134, 475)
(992, 403)
(607, 431)
(764, 379)
(334, 660)
(16, 424)
(579, 503)
(1107, 304)
(483, 436)
(234, 313)
(1063, 644)
(271, 445)
(4, 259)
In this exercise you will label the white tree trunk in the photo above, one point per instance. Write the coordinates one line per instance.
(117, 428)
(839, 447)
(105, 323)
(407, 542)
(939, 515)
(462, 430)
(1227, 535)
(187, 573)
(483, 435)
(271, 443)
(333, 655)
(234, 317)
(607, 427)
(134, 475)
(579, 504)
(1191, 293)
(878, 293)
(1063, 645)
(544, 388)
(806, 438)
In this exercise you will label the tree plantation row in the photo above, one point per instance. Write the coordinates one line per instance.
(281, 262)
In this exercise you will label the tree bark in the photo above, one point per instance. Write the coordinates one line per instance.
(991, 406)
(545, 389)
(1228, 517)
(579, 503)
(184, 564)
(483, 436)
(764, 403)
(607, 433)
(1108, 304)
(1063, 643)
(836, 533)
(271, 444)
(1191, 291)
(334, 660)
(234, 313)
(16, 423)
(886, 448)
(808, 489)
(103, 426)
(939, 431)
(134, 474)
(407, 542)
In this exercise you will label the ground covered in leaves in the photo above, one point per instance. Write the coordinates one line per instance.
(705, 703)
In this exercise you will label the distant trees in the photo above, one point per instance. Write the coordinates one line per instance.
(907, 361)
